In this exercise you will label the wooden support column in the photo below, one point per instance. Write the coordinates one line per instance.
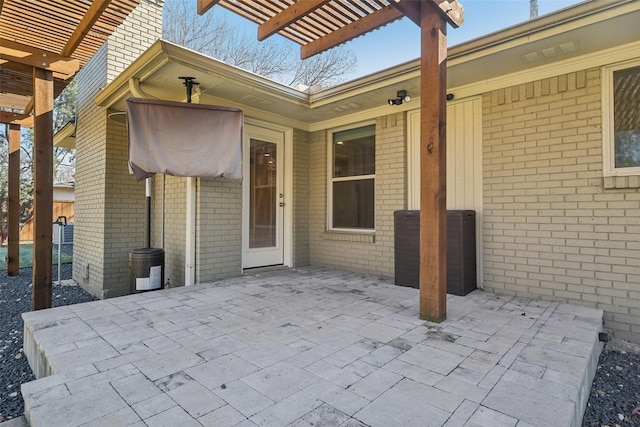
(433, 116)
(13, 236)
(43, 188)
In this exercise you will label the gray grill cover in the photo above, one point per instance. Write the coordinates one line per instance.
(180, 139)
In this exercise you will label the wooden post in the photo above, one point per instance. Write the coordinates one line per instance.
(43, 188)
(433, 116)
(13, 235)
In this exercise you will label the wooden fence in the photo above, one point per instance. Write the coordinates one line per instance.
(60, 208)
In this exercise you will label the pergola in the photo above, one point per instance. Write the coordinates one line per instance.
(318, 25)
(43, 44)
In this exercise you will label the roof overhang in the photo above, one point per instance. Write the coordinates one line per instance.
(575, 35)
(66, 137)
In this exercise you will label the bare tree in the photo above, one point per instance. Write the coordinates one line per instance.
(321, 69)
(212, 35)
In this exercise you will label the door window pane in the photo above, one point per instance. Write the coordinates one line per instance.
(262, 197)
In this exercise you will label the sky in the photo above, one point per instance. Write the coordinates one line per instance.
(399, 41)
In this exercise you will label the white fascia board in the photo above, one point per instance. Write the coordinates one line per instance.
(385, 78)
(210, 65)
(162, 52)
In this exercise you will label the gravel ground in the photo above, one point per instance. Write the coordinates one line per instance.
(15, 298)
(614, 400)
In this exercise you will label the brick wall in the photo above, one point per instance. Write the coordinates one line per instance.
(168, 227)
(139, 31)
(108, 201)
(357, 252)
(124, 213)
(553, 227)
(218, 229)
(91, 129)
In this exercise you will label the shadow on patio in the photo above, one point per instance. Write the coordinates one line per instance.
(309, 347)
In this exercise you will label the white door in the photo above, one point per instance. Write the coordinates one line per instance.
(263, 197)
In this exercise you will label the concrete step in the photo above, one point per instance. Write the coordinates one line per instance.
(16, 422)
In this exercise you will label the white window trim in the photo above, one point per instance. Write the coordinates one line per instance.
(608, 144)
(331, 180)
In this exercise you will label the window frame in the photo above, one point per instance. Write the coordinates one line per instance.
(608, 124)
(331, 179)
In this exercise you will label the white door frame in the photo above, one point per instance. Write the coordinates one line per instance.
(254, 126)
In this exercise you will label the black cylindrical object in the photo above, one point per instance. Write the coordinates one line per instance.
(146, 269)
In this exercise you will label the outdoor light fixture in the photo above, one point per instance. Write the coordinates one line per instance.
(401, 97)
(189, 83)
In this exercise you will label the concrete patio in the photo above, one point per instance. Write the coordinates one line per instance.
(309, 347)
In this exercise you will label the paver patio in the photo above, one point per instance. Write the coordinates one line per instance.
(307, 347)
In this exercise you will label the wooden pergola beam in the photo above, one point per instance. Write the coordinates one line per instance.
(13, 101)
(13, 205)
(43, 188)
(357, 28)
(29, 68)
(205, 5)
(433, 161)
(8, 117)
(29, 108)
(410, 9)
(288, 16)
(88, 20)
(26, 122)
(452, 11)
(22, 54)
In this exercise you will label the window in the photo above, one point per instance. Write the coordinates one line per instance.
(352, 179)
(622, 120)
